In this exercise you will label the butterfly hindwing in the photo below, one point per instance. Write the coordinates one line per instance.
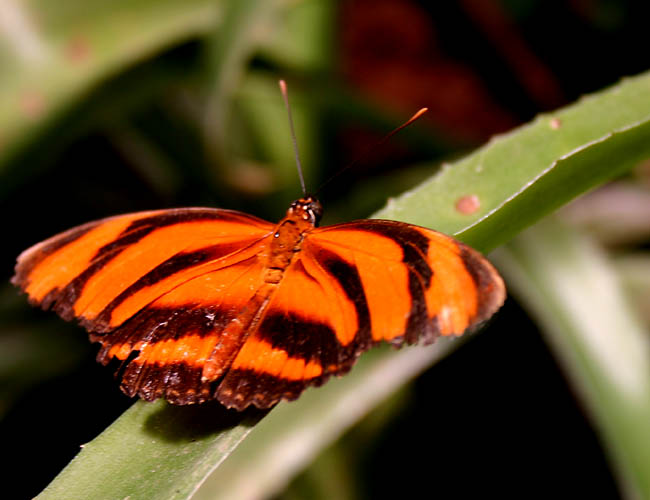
(165, 345)
(296, 343)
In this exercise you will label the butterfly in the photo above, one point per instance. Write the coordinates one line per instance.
(204, 303)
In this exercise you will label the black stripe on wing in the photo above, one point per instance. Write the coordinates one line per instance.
(181, 262)
(415, 247)
(178, 382)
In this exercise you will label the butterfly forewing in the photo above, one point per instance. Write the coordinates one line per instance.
(88, 272)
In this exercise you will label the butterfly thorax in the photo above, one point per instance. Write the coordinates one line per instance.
(302, 216)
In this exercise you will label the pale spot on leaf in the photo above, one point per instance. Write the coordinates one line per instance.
(469, 204)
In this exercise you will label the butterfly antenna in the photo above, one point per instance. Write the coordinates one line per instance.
(285, 96)
(374, 147)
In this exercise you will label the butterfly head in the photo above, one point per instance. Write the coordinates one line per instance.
(307, 208)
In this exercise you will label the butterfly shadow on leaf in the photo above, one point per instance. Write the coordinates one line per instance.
(189, 423)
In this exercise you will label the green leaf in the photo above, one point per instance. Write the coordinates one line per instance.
(250, 99)
(570, 287)
(518, 178)
(259, 104)
(311, 23)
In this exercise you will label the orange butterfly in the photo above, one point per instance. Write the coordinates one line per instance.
(202, 303)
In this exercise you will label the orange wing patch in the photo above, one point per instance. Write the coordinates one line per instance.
(371, 263)
(199, 303)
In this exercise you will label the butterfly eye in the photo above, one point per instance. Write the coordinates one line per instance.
(314, 208)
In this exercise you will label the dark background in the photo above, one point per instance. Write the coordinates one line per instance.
(495, 417)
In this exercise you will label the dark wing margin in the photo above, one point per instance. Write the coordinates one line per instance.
(489, 285)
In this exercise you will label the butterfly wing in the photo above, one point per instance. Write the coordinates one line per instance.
(139, 279)
(351, 286)
(165, 345)
(416, 283)
(90, 272)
